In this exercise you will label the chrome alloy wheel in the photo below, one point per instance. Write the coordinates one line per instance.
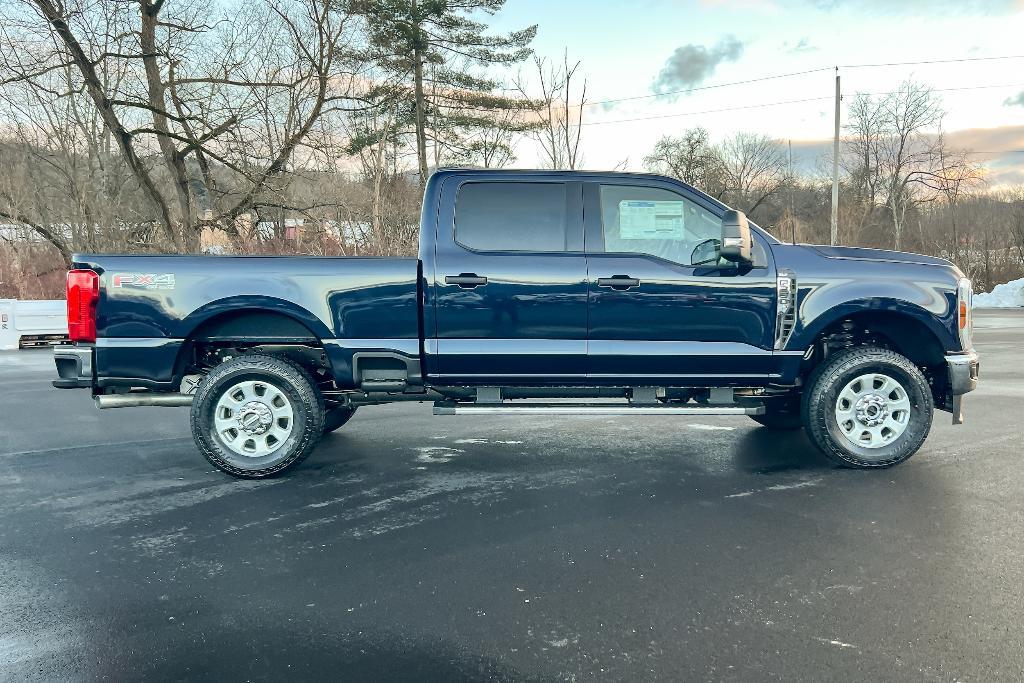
(253, 418)
(873, 410)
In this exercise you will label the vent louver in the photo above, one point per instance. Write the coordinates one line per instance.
(785, 319)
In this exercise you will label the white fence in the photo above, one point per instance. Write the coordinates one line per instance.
(25, 323)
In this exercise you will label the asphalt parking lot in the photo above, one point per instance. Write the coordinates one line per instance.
(414, 547)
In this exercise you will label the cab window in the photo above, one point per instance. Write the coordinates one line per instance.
(511, 216)
(658, 222)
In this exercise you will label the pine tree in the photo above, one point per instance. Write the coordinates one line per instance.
(435, 60)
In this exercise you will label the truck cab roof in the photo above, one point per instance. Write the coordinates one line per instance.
(507, 174)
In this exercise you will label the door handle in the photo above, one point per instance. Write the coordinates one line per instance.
(465, 280)
(618, 282)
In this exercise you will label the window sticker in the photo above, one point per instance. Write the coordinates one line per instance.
(645, 220)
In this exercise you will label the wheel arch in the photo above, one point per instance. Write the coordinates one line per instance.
(906, 334)
(218, 315)
(252, 321)
(254, 326)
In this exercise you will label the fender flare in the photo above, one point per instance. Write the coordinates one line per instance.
(254, 304)
(808, 329)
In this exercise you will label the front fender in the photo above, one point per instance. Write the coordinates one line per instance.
(822, 304)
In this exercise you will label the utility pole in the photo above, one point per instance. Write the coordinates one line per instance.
(835, 169)
(792, 215)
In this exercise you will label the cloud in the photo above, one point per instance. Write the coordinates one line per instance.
(691, 64)
(802, 45)
(993, 148)
(1015, 101)
(987, 139)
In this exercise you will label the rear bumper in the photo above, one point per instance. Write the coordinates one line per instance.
(963, 371)
(74, 367)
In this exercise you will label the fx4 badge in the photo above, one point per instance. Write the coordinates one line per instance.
(143, 280)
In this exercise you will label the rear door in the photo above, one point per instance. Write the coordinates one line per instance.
(510, 289)
(659, 316)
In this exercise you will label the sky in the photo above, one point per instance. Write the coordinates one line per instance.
(642, 47)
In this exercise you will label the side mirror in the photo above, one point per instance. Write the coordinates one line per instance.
(705, 252)
(736, 240)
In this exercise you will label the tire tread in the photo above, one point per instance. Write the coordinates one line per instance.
(285, 368)
(828, 373)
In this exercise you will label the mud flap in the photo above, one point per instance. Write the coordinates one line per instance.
(958, 409)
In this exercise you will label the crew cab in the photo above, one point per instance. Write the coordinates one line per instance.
(544, 292)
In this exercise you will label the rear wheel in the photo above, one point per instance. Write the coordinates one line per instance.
(868, 407)
(257, 415)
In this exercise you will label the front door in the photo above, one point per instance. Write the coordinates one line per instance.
(510, 288)
(664, 309)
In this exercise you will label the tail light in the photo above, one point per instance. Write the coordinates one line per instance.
(83, 295)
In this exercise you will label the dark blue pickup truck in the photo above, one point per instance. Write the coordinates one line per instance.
(534, 292)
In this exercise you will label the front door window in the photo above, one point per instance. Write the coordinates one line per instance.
(657, 222)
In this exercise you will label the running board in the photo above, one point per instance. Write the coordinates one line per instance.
(134, 399)
(591, 409)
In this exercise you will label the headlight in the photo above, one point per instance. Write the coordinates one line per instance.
(964, 310)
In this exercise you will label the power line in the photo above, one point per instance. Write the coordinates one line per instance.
(965, 87)
(704, 87)
(776, 104)
(709, 111)
(930, 61)
(790, 75)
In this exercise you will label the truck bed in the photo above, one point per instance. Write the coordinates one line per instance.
(149, 305)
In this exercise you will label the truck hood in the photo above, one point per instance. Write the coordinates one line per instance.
(879, 255)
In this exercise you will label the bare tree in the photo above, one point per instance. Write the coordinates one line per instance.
(860, 157)
(183, 96)
(910, 160)
(754, 169)
(900, 158)
(689, 157)
(558, 110)
(490, 147)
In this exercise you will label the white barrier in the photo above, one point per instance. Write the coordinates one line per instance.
(20, 320)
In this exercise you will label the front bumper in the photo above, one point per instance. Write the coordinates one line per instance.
(963, 378)
(74, 367)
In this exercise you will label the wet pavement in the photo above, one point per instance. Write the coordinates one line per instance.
(413, 547)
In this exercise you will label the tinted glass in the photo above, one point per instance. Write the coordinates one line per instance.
(511, 216)
(649, 220)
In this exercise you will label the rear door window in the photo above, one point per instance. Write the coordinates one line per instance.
(511, 216)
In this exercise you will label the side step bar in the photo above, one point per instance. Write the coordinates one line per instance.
(140, 398)
(448, 408)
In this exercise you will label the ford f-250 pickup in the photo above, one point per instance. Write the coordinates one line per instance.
(534, 292)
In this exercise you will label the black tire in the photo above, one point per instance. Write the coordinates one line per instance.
(828, 381)
(288, 380)
(337, 417)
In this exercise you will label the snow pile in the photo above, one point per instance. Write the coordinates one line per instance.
(1007, 295)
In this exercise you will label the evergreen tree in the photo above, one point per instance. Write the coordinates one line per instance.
(436, 61)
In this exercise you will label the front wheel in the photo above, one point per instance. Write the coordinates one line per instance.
(257, 415)
(868, 407)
